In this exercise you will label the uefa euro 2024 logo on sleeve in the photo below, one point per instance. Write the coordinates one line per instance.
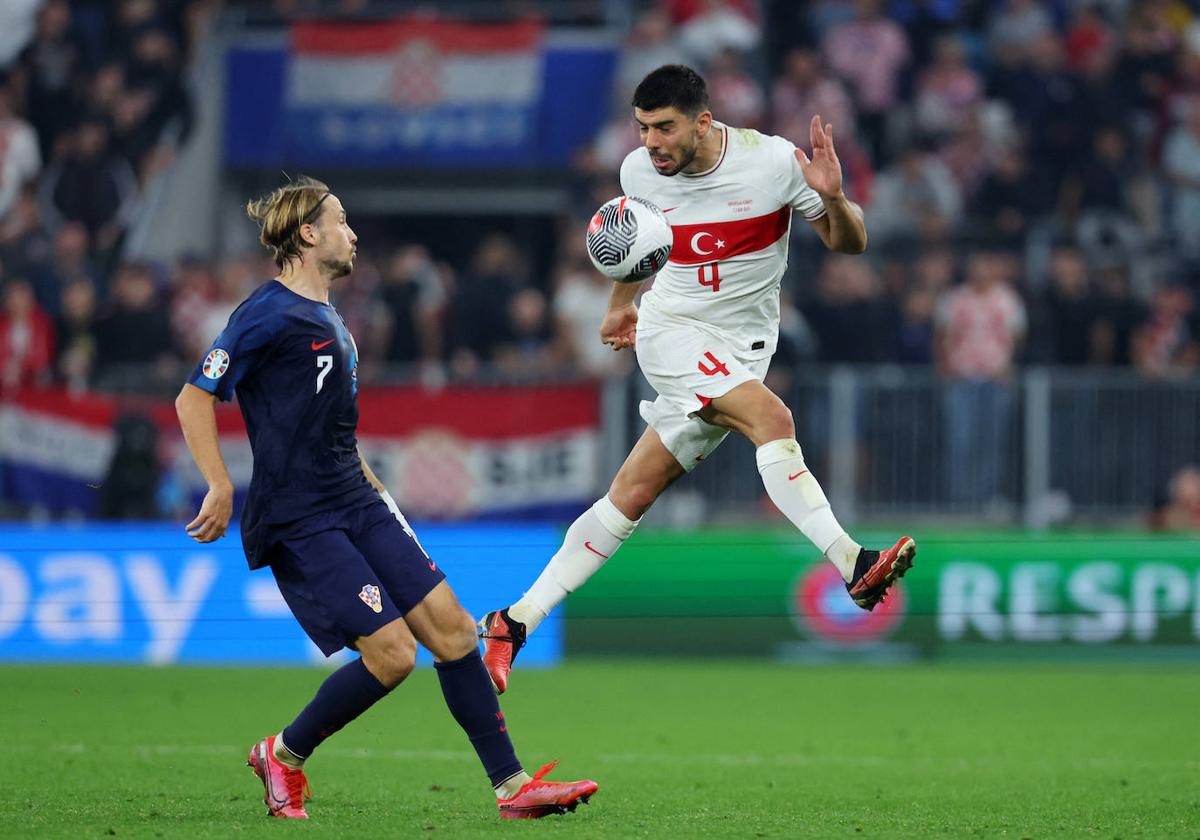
(216, 363)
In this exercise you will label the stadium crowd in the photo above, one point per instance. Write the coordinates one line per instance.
(1030, 172)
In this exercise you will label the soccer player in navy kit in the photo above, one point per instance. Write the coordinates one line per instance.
(345, 559)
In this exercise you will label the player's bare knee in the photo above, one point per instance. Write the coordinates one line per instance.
(776, 423)
(457, 636)
(465, 636)
(392, 661)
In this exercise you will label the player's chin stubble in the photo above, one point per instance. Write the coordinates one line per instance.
(340, 268)
(688, 157)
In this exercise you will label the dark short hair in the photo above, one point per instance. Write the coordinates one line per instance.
(672, 85)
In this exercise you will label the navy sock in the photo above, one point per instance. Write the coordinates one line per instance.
(472, 700)
(346, 693)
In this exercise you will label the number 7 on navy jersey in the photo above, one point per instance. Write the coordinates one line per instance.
(324, 365)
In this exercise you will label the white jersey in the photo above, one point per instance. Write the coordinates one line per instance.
(730, 229)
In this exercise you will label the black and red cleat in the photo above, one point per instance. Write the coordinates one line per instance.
(876, 571)
(503, 639)
(539, 798)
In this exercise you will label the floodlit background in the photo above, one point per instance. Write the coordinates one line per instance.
(1008, 374)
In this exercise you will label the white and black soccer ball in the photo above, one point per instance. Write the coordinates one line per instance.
(629, 239)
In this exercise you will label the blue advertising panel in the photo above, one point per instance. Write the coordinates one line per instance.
(149, 594)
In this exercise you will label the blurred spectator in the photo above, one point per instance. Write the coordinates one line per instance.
(49, 67)
(580, 301)
(26, 338)
(1043, 95)
(736, 99)
(1071, 309)
(89, 185)
(1097, 180)
(155, 100)
(1010, 199)
(948, 90)
(68, 262)
(134, 330)
(193, 291)
(528, 352)
(1163, 346)
(980, 325)
(916, 193)
(414, 296)
(1181, 508)
(618, 138)
(1143, 73)
(706, 27)
(75, 330)
(803, 90)
(869, 53)
(914, 330)
(1087, 35)
(129, 487)
(1014, 27)
(926, 22)
(849, 316)
(23, 242)
(480, 308)
(970, 154)
(20, 159)
(935, 269)
(650, 44)
(1181, 165)
(1119, 314)
(233, 282)
(18, 22)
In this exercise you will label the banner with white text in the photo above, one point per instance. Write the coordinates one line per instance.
(149, 594)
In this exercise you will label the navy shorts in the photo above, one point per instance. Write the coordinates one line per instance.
(352, 578)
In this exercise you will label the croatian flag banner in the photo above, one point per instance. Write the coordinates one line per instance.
(422, 90)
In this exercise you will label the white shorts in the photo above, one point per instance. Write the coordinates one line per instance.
(689, 368)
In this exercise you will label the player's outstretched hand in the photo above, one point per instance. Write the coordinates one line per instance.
(212, 521)
(619, 328)
(824, 172)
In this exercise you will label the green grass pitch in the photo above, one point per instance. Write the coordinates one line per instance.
(723, 749)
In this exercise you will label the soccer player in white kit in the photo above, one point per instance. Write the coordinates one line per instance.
(704, 338)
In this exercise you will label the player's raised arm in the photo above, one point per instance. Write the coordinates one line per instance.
(842, 228)
(198, 419)
(618, 329)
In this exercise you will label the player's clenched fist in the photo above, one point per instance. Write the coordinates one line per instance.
(619, 327)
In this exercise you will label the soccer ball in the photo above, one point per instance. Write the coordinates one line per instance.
(629, 239)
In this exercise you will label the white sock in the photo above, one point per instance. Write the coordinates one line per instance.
(800, 498)
(592, 538)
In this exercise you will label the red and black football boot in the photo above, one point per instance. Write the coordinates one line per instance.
(538, 798)
(503, 639)
(876, 571)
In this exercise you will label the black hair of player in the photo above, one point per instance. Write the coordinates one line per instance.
(672, 85)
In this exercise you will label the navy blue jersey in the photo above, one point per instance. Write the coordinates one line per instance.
(293, 365)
